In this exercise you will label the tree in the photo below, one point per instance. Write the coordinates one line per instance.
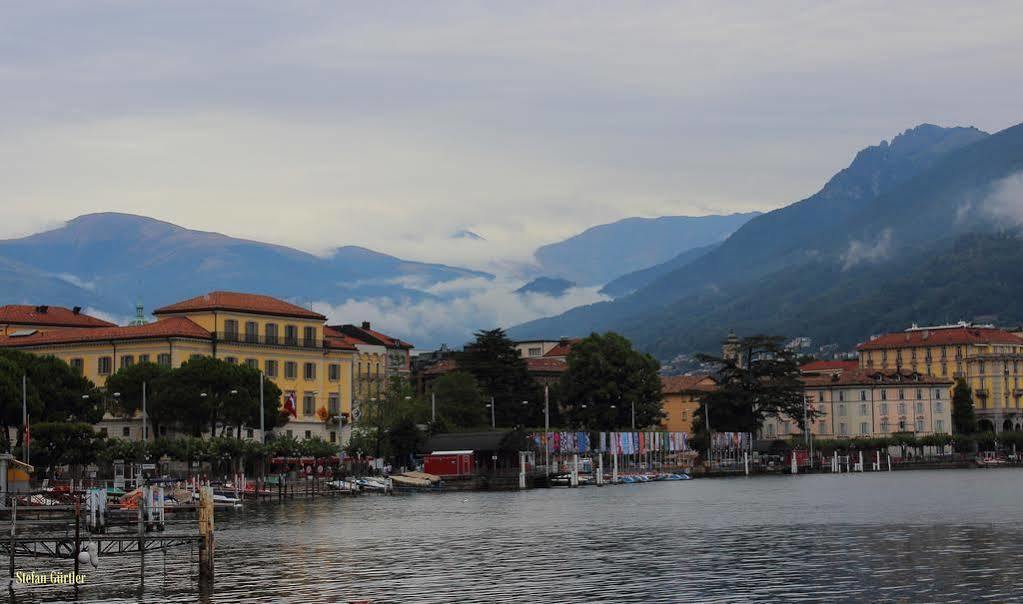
(964, 419)
(606, 379)
(502, 374)
(127, 383)
(11, 415)
(66, 394)
(63, 443)
(459, 401)
(761, 381)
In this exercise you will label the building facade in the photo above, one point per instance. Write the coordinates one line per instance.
(870, 403)
(286, 342)
(680, 400)
(988, 358)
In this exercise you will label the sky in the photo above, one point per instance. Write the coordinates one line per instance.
(393, 125)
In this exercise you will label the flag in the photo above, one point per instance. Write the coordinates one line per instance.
(289, 405)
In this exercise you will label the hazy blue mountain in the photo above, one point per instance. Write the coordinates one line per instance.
(549, 286)
(628, 283)
(843, 255)
(112, 259)
(604, 252)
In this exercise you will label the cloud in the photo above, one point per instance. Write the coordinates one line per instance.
(114, 318)
(1005, 202)
(462, 307)
(76, 281)
(868, 251)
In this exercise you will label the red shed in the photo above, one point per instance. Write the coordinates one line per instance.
(450, 464)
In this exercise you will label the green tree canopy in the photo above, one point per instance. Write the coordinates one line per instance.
(64, 443)
(459, 401)
(761, 382)
(502, 373)
(964, 418)
(11, 415)
(606, 379)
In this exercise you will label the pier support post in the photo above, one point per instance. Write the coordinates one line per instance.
(877, 461)
(206, 534)
(614, 468)
(522, 469)
(889, 463)
(745, 461)
(860, 468)
(795, 464)
(575, 471)
(600, 469)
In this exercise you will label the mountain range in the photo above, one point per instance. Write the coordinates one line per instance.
(604, 252)
(109, 260)
(924, 228)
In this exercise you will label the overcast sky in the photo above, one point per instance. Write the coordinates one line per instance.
(391, 125)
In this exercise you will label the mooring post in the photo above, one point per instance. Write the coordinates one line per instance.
(614, 468)
(600, 469)
(745, 461)
(574, 481)
(522, 469)
(14, 522)
(206, 534)
(78, 537)
(142, 539)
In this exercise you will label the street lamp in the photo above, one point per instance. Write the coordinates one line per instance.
(493, 416)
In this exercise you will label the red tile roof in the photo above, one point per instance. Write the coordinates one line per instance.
(534, 365)
(172, 327)
(674, 384)
(862, 377)
(562, 348)
(240, 302)
(942, 337)
(335, 339)
(371, 336)
(815, 366)
(24, 314)
(441, 367)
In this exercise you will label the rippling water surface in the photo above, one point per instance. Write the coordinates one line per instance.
(900, 537)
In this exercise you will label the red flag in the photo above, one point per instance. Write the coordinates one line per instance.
(289, 405)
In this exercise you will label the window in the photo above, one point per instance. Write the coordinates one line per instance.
(333, 436)
(939, 426)
(920, 407)
(270, 329)
(820, 396)
(234, 361)
(841, 410)
(308, 403)
(249, 433)
(902, 408)
(535, 352)
(126, 432)
(919, 425)
(937, 395)
(231, 330)
(78, 365)
(309, 371)
(770, 429)
(919, 394)
(291, 335)
(334, 372)
(842, 429)
(841, 395)
(938, 408)
(863, 409)
(143, 358)
(251, 332)
(863, 396)
(864, 428)
(884, 408)
(103, 432)
(884, 396)
(334, 404)
(196, 357)
(290, 433)
(685, 415)
(884, 425)
(164, 360)
(105, 365)
(230, 432)
(127, 361)
(902, 426)
(254, 364)
(902, 394)
(308, 434)
(309, 336)
(270, 368)
(291, 370)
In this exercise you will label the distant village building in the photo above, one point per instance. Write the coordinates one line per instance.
(27, 318)
(988, 358)
(680, 400)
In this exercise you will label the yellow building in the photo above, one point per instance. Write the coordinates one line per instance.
(679, 402)
(21, 317)
(858, 403)
(287, 342)
(989, 359)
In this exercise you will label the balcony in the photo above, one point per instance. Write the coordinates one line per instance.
(257, 340)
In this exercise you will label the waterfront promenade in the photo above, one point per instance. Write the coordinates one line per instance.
(913, 535)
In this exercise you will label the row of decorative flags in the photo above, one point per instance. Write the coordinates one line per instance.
(628, 443)
(731, 441)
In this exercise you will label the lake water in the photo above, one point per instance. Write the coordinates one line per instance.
(901, 537)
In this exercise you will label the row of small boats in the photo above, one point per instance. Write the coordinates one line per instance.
(590, 479)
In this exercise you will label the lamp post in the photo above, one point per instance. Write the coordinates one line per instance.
(24, 416)
(493, 416)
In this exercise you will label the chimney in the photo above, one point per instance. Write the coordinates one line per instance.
(76, 310)
(42, 309)
(365, 324)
